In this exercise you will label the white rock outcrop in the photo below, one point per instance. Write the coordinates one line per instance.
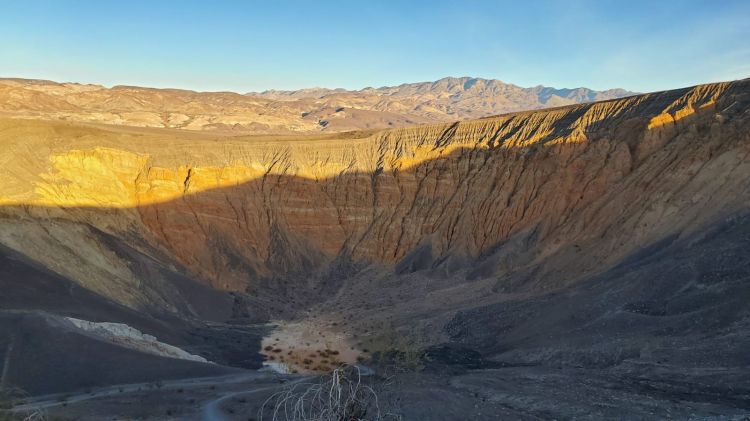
(129, 337)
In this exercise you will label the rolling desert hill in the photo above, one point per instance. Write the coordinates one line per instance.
(282, 112)
(583, 261)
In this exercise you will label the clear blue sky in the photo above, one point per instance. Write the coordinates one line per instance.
(253, 45)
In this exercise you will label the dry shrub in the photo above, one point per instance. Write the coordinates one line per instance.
(340, 395)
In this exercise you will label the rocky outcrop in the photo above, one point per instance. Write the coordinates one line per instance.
(126, 336)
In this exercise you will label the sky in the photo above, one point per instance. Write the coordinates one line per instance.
(246, 46)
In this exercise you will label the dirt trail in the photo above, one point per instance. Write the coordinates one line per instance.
(60, 399)
(212, 409)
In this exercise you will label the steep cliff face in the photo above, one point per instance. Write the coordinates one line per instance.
(580, 186)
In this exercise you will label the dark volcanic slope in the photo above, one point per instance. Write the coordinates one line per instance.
(43, 355)
(681, 301)
(40, 353)
(663, 335)
(28, 285)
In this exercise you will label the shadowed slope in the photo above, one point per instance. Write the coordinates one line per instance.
(44, 354)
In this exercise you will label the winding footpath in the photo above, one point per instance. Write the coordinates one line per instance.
(212, 409)
(59, 399)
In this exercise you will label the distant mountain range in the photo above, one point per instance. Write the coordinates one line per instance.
(464, 96)
(268, 112)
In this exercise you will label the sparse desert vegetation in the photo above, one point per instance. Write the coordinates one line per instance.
(310, 347)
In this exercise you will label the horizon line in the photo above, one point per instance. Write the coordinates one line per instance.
(162, 87)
